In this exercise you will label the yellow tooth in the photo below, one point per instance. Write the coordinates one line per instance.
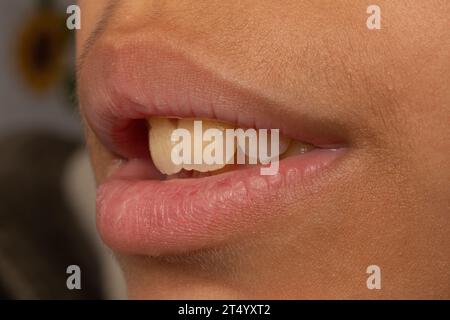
(161, 145)
(295, 148)
(283, 145)
(198, 147)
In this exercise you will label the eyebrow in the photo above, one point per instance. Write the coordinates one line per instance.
(95, 34)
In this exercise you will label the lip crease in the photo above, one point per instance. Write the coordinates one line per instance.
(137, 212)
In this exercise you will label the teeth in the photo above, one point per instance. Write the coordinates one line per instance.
(285, 142)
(199, 148)
(283, 145)
(161, 146)
(295, 148)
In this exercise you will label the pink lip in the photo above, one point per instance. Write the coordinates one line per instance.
(166, 217)
(139, 215)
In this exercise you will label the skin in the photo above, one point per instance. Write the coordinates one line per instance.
(389, 90)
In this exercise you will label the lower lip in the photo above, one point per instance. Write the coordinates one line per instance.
(151, 217)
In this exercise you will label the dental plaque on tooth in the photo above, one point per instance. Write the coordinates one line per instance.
(205, 147)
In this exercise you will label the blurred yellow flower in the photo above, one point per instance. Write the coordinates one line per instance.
(40, 49)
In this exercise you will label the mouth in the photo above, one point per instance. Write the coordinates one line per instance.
(130, 91)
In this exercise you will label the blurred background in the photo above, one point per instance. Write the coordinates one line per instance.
(47, 192)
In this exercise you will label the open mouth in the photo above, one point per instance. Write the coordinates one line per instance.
(151, 206)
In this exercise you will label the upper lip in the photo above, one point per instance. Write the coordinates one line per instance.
(121, 84)
(131, 80)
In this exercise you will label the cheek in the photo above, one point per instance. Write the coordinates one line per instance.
(91, 13)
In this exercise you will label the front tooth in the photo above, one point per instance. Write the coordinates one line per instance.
(161, 145)
(199, 147)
